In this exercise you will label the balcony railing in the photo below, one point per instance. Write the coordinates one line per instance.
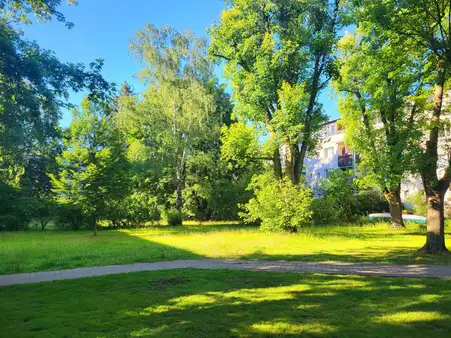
(345, 160)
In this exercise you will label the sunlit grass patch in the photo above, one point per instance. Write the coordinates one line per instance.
(222, 303)
(51, 250)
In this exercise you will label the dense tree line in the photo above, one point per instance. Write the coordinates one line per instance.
(184, 148)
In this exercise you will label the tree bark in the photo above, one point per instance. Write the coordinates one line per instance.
(435, 241)
(300, 157)
(434, 188)
(94, 225)
(395, 205)
(277, 164)
(290, 164)
(180, 184)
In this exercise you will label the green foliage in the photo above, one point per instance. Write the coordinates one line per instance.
(136, 210)
(70, 217)
(278, 56)
(34, 87)
(15, 208)
(381, 106)
(339, 199)
(174, 129)
(44, 10)
(418, 203)
(278, 204)
(240, 144)
(93, 166)
(371, 201)
(173, 217)
(336, 200)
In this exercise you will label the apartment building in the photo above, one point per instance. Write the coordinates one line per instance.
(333, 154)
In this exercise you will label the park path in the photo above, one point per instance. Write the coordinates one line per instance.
(364, 269)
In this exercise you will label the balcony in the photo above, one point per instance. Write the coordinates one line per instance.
(345, 161)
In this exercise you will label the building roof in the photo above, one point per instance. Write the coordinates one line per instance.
(329, 122)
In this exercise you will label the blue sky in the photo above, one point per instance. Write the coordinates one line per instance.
(103, 29)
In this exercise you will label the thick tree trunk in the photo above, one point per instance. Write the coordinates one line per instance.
(434, 188)
(277, 164)
(395, 205)
(435, 241)
(290, 162)
(94, 225)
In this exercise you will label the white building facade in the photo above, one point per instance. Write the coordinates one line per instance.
(333, 154)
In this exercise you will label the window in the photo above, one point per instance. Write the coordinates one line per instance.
(406, 194)
(331, 130)
(318, 176)
(329, 152)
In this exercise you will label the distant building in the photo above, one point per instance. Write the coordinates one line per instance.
(332, 153)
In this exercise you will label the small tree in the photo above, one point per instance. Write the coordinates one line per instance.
(93, 166)
(280, 205)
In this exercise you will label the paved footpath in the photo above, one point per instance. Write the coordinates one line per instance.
(368, 269)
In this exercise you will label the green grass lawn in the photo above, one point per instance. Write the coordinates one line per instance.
(50, 250)
(220, 303)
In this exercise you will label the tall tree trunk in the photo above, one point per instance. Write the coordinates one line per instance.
(277, 164)
(94, 225)
(180, 184)
(290, 162)
(434, 188)
(300, 157)
(435, 241)
(394, 202)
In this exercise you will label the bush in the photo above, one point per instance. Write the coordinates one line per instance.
(418, 203)
(173, 217)
(336, 199)
(69, 217)
(278, 204)
(16, 209)
(371, 201)
(324, 210)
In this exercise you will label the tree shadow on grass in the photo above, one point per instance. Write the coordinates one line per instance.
(222, 303)
(81, 249)
(401, 255)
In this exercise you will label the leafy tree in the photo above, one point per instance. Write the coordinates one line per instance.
(44, 10)
(382, 101)
(93, 166)
(280, 205)
(279, 57)
(336, 198)
(176, 124)
(34, 86)
(425, 26)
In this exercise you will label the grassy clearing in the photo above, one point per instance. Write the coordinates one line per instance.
(219, 303)
(50, 250)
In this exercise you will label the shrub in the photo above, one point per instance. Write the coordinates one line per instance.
(69, 217)
(173, 217)
(418, 203)
(278, 204)
(16, 209)
(371, 201)
(324, 210)
(336, 199)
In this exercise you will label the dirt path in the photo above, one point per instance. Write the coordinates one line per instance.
(368, 269)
